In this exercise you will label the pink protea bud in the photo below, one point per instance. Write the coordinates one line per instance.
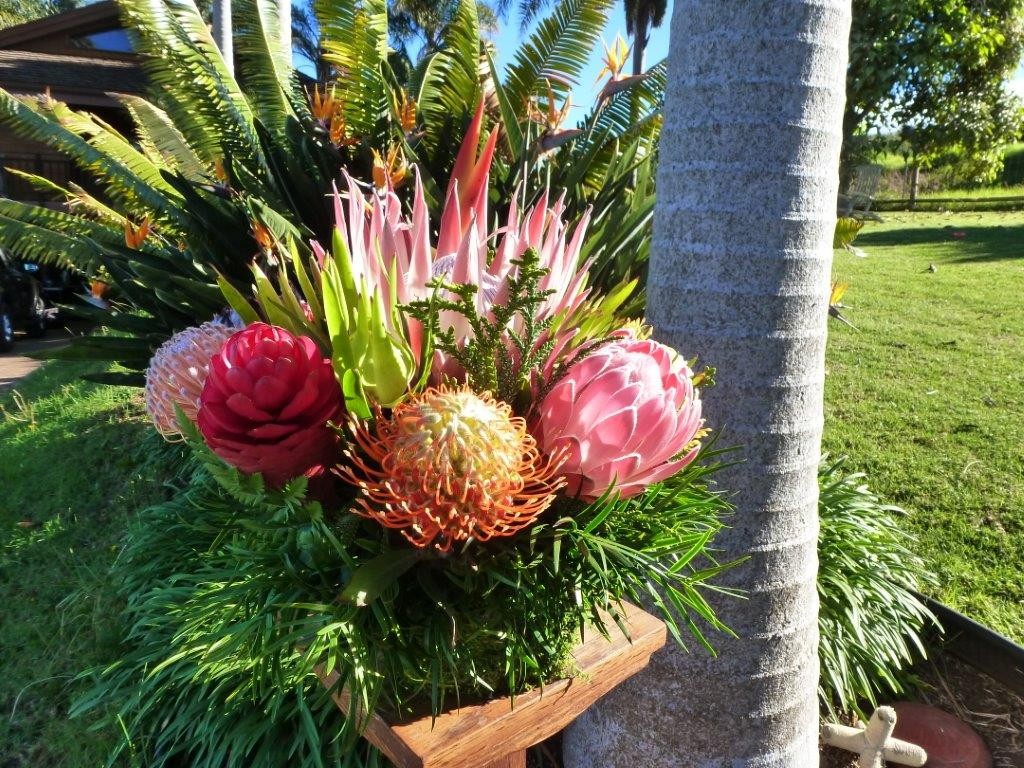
(267, 401)
(627, 416)
(177, 372)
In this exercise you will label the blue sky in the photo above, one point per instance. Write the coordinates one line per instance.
(509, 37)
(1017, 81)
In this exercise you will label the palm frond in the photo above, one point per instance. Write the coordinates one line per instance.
(157, 130)
(558, 51)
(355, 41)
(121, 182)
(450, 87)
(265, 66)
(184, 65)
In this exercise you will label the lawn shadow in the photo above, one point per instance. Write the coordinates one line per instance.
(975, 243)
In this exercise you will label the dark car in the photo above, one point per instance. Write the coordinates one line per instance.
(21, 303)
(59, 286)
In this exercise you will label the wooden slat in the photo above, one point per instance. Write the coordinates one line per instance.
(465, 737)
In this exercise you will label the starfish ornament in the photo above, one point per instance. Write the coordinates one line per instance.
(874, 743)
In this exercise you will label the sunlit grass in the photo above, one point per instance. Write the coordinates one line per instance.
(70, 476)
(927, 396)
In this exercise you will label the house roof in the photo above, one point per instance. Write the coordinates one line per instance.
(86, 17)
(75, 79)
(40, 55)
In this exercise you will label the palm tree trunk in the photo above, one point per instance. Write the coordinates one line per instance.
(739, 274)
(640, 38)
(284, 18)
(222, 32)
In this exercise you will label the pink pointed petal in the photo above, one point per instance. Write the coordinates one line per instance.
(466, 158)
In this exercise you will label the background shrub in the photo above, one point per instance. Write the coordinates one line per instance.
(870, 620)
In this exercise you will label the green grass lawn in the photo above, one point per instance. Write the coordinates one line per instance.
(70, 476)
(927, 396)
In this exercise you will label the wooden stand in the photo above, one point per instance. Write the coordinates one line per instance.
(496, 734)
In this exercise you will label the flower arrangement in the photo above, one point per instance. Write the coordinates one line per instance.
(427, 458)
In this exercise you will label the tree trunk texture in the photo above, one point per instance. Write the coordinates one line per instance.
(222, 32)
(284, 16)
(739, 275)
(641, 36)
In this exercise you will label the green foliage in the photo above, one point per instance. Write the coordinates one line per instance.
(846, 231)
(1012, 173)
(499, 357)
(938, 69)
(233, 595)
(870, 620)
(20, 11)
(231, 178)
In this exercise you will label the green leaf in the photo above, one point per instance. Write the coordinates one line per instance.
(369, 580)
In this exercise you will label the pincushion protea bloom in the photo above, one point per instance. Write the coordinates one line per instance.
(451, 465)
(627, 416)
(177, 372)
(266, 403)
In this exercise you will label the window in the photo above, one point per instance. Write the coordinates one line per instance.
(115, 40)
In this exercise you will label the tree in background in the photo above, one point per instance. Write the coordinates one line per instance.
(415, 27)
(14, 12)
(936, 72)
(752, 113)
(641, 16)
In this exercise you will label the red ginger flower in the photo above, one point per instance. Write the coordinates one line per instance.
(451, 465)
(266, 403)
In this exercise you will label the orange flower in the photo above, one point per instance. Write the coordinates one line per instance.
(451, 465)
(219, 172)
(406, 108)
(390, 171)
(330, 113)
(615, 58)
(135, 234)
(323, 105)
(551, 117)
(262, 235)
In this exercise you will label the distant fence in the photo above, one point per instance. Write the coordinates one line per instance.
(1006, 203)
(59, 170)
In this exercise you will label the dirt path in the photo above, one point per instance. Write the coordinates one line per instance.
(14, 365)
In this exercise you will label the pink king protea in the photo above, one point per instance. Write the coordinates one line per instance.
(627, 416)
(393, 254)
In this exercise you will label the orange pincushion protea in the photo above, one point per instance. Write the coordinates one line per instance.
(451, 465)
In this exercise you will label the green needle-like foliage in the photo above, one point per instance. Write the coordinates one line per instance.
(498, 357)
(870, 620)
(234, 593)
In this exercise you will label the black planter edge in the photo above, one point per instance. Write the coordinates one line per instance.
(984, 649)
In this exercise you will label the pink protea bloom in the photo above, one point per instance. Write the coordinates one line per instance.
(393, 254)
(627, 416)
(176, 374)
